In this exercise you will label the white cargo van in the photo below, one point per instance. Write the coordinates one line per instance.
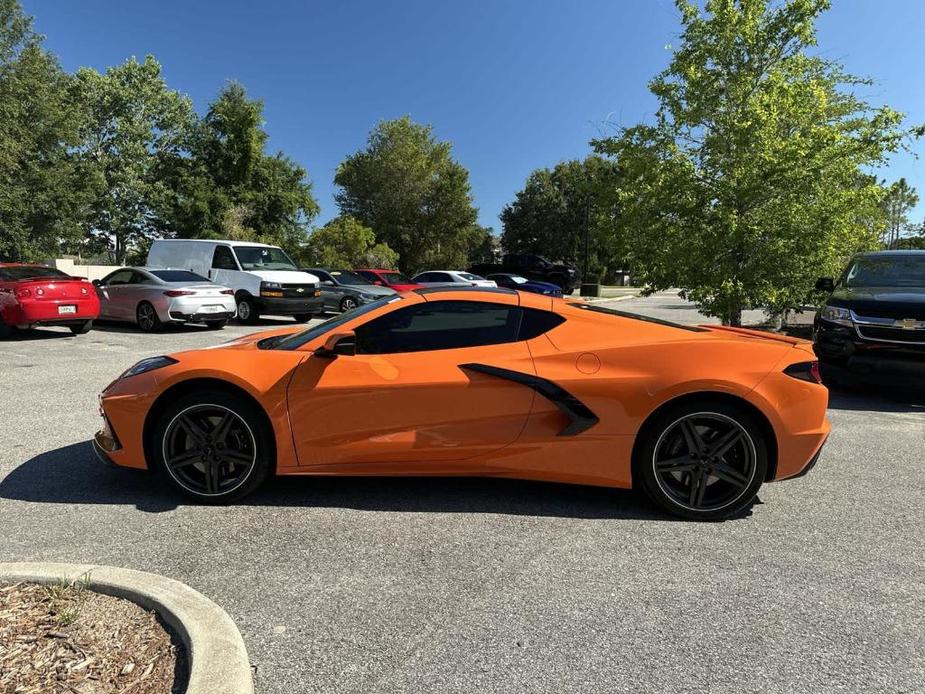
(264, 278)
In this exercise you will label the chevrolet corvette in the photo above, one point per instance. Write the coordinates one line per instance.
(479, 382)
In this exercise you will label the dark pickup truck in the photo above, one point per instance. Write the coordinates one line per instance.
(533, 267)
(874, 319)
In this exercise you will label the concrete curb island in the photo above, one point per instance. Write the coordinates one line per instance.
(218, 662)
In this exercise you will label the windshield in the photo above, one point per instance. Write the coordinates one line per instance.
(886, 271)
(296, 340)
(395, 278)
(177, 276)
(344, 277)
(263, 258)
(30, 272)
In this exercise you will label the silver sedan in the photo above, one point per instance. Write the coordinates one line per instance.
(151, 297)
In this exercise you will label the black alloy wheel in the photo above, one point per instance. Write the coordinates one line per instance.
(704, 462)
(209, 450)
(146, 317)
(348, 303)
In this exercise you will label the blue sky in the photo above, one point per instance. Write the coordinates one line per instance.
(514, 84)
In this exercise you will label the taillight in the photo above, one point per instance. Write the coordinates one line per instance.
(23, 293)
(178, 292)
(805, 371)
(227, 291)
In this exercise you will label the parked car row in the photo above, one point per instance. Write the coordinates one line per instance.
(210, 282)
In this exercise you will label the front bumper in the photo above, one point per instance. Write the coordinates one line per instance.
(881, 359)
(289, 307)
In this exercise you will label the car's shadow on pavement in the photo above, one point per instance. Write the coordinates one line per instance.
(73, 475)
(864, 397)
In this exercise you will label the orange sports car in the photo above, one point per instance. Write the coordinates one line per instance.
(488, 382)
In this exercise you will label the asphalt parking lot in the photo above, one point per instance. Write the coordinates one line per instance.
(442, 585)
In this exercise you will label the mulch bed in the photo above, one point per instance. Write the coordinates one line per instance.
(66, 639)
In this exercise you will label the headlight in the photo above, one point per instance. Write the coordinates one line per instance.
(149, 364)
(270, 285)
(836, 314)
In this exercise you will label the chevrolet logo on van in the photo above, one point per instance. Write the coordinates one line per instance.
(300, 290)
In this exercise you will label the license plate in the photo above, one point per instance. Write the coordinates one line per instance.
(211, 309)
(66, 309)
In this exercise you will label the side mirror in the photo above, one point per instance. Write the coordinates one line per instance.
(825, 284)
(344, 343)
(327, 283)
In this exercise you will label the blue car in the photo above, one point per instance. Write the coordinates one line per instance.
(523, 284)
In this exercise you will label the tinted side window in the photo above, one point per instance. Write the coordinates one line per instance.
(535, 322)
(322, 275)
(119, 277)
(425, 277)
(222, 259)
(439, 325)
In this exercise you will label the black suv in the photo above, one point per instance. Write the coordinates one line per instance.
(874, 320)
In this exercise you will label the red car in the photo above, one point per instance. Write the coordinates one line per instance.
(35, 295)
(392, 279)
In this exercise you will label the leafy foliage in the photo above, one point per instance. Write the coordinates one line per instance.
(344, 242)
(556, 207)
(225, 186)
(43, 192)
(751, 181)
(406, 186)
(131, 121)
(899, 200)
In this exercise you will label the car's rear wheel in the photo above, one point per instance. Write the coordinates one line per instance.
(147, 318)
(703, 460)
(213, 446)
(303, 317)
(348, 303)
(5, 330)
(247, 311)
(83, 328)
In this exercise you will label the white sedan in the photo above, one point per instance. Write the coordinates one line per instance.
(151, 297)
(449, 278)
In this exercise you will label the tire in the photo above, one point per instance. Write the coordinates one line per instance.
(348, 303)
(681, 471)
(247, 311)
(83, 328)
(216, 324)
(146, 318)
(5, 330)
(193, 439)
(303, 317)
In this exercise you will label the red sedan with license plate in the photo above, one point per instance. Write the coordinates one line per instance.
(35, 295)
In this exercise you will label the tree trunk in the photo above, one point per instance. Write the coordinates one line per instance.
(733, 318)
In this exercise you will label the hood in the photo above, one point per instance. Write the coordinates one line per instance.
(287, 276)
(248, 341)
(883, 302)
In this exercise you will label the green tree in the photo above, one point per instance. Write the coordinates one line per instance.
(132, 120)
(897, 204)
(750, 182)
(228, 187)
(344, 242)
(43, 192)
(556, 207)
(407, 187)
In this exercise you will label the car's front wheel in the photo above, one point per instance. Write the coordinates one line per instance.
(348, 303)
(213, 446)
(247, 311)
(703, 460)
(303, 317)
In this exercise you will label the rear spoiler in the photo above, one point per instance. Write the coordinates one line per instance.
(761, 334)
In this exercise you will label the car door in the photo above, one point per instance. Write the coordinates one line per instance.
(224, 268)
(407, 396)
(330, 291)
(113, 292)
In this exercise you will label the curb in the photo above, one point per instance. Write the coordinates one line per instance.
(602, 299)
(218, 662)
